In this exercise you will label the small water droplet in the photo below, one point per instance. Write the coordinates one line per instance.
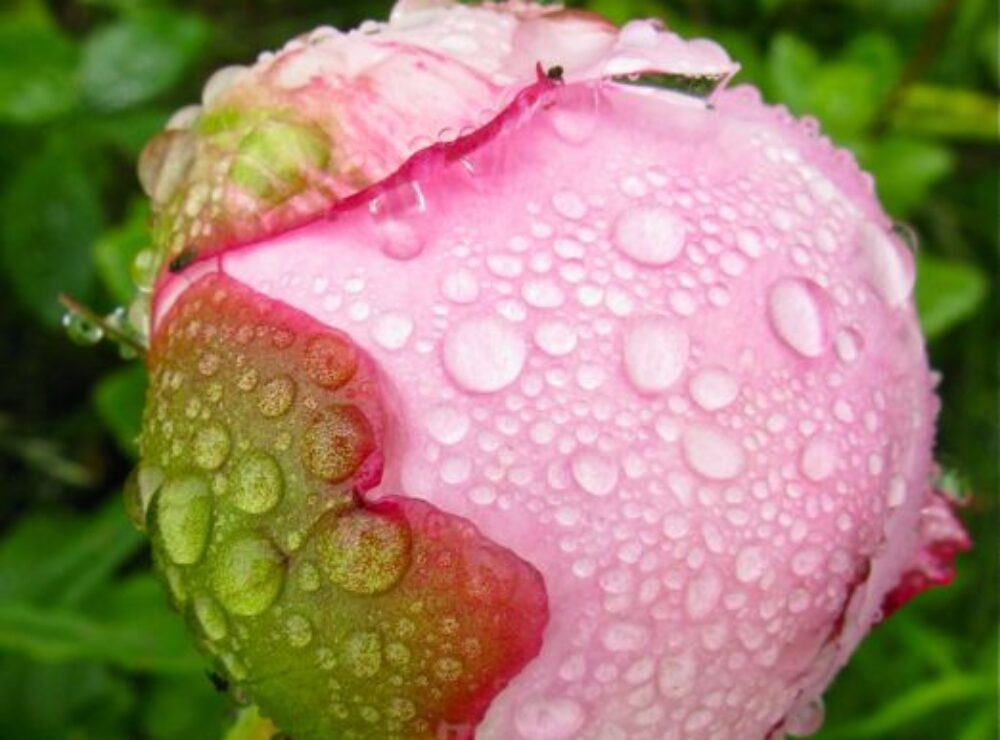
(712, 452)
(622, 637)
(798, 310)
(897, 492)
(392, 330)
(365, 552)
(276, 396)
(257, 483)
(399, 219)
(81, 330)
(247, 574)
(330, 360)
(210, 446)
(806, 719)
(819, 459)
(556, 338)
(483, 354)
(211, 618)
(337, 442)
(751, 564)
(447, 424)
(650, 235)
(848, 344)
(713, 388)
(654, 351)
(594, 473)
(549, 719)
(299, 631)
(362, 652)
(702, 594)
(460, 286)
(183, 518)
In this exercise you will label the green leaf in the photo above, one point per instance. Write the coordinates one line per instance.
(37, 76)
(140, 56)
(130, 131)
(905, 170)
(119, 398)
(946, 112)
(845, 97)
(792, 65)
(116, 249)
(947, 293)
(133, 630)
(63, 560)
(51, 214)
(185, 707)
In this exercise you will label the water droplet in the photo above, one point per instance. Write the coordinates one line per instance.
(798, 312)
(483, 354)
(655, 351)
(556, 338)
(711, 452)
(81, 330)
(447, 669)
(897, 492)
(299, 631)
(330, 360)
(392, 330)
(257, 483)
(819, 459)
(751, 564)
(365, 552)
(702, 594)
(211, 618)
(308, 577)
(806, 719)
(549, 719)
(848, 344)
(713, 388)
(398, 215)
(183, 518)
(276, 396)
(210, 446)
(337, 442)
(677, 675)
(460, 287)
(622, 637)
(362, 651)
(141, 485)
(447, 424)
(888, 268)
(247, 574)
(569, 204)
(595, 474)
(650, 235)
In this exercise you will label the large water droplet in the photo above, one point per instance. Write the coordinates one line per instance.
(549, 719)
(247, 575)
(483, 354)
(257, 483)
(713, 388)
(712, 452)
(141, 485)
(594, 473)
(364, 552)
(651, 235)
(806, 719)
(183, 518)
(798, 311)
(398, 216)
(655, 351)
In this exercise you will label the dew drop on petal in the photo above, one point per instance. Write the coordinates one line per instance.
(594, 473)
(889, 269)
(818, 460)
(549, 719)
(447, 424)
(797, 310)
(654, 351)
(555, 338)
(483, 354)
(713, 388)
(247, 574)
(392, 330)
(184, 518)
(650, 235)
(257, 483)
(712, 452)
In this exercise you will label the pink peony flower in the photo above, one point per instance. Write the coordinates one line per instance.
(512, 378)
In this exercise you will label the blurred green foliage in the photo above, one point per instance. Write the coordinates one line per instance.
(88, 648)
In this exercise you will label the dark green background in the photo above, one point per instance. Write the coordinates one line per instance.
(88, 648)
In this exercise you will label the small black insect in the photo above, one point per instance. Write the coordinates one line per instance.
(219, 681)
(555, 73)
(182, 260)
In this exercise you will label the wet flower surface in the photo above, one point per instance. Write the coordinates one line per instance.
(513, 378)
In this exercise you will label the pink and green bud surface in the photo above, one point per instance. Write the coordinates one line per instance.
(513, 378)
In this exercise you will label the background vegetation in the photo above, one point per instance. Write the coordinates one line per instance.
(88, 648)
